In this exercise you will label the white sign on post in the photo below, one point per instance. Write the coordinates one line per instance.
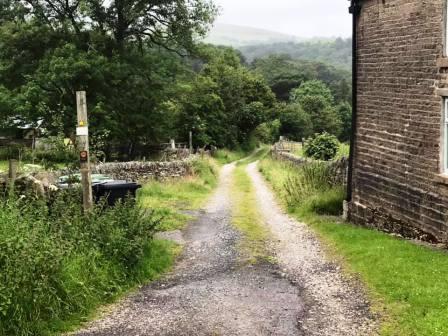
(82, 131)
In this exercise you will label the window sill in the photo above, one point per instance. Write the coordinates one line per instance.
(442, 178)
(442, 62)
(444, 93)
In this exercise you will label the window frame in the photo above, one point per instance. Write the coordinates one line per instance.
(445, 137)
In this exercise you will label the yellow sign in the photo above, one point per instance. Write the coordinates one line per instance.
(82, 123)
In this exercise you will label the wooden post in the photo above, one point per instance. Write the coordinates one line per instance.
(12, 173)
(191, 142)
(83, 146)
(173, 144)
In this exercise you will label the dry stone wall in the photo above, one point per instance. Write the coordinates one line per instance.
(339, 167)
(141, 171)
(397, 185)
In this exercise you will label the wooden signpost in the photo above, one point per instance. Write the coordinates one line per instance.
(82, 133)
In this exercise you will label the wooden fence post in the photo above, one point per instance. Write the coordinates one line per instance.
(191, 142)
(82, 132)
(12, 173)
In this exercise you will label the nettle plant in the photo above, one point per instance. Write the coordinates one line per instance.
(322, 146)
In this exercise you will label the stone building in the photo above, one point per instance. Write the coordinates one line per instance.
(398, 180)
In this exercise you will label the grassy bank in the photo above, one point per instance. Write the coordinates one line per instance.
(245, 216)
(408, 283)
(58, 265)
(169, 198)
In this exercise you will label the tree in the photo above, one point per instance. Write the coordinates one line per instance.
(120, 52)
(128, 56)
(344, 111)
(169, 23)
(202, 111)
(282, 74)
(317, 101)
(245, 97)
(268, 132)
(295, 123)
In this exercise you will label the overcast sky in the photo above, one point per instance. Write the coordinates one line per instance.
(306, 18)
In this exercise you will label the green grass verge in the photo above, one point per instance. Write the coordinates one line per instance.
(158, 258)
(245, 217)
(168, 198)
(408, 283)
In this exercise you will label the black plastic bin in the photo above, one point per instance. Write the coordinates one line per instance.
(114, 191)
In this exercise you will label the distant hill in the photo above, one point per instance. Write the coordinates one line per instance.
(239, 36)
(259, 43)
(337, 52)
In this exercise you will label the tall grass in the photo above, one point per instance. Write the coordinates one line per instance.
(58, 264)
(310, 186)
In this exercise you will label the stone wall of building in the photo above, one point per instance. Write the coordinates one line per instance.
(397, 182)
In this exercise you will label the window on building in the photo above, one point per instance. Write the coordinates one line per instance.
(445, 136)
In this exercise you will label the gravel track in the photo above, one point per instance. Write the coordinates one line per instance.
(210, 291)
(335, 305)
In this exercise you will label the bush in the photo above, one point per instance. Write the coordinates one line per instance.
(56, 262)
(322, 147)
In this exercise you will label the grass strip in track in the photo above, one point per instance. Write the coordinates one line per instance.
(245, 217)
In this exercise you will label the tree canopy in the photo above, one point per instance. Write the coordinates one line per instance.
(148, 78)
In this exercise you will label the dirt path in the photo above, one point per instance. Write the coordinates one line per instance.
(334, 306)
(210, 292)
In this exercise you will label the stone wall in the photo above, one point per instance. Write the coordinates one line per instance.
(397, 181)
(141, 171)
(339, 167)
